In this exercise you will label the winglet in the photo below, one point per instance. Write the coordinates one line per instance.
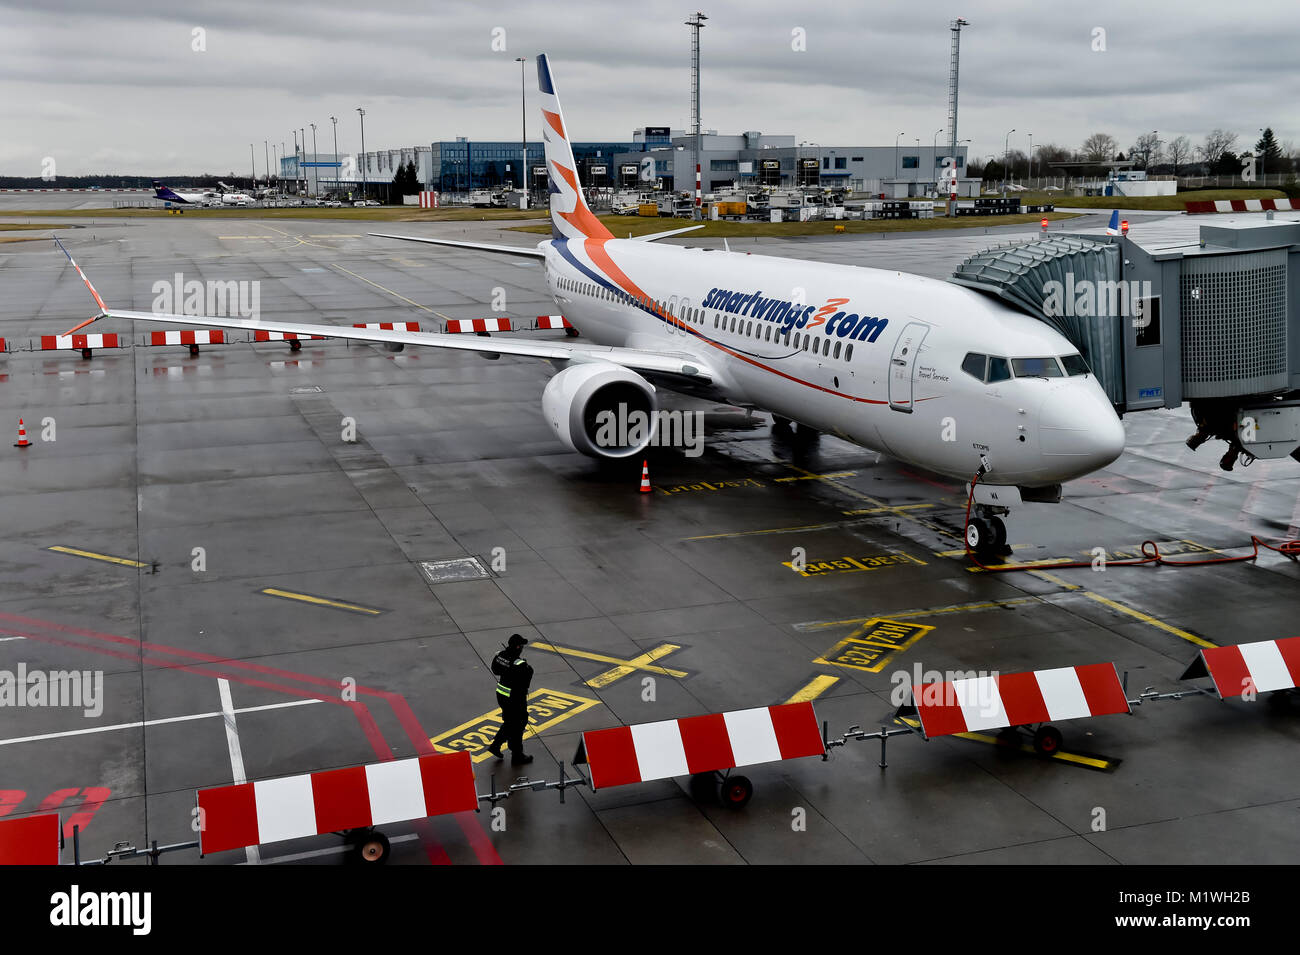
(103, 309)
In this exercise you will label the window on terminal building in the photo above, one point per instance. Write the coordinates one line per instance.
(911, 162)
(841, 162)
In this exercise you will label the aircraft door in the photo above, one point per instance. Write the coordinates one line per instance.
(902, 365)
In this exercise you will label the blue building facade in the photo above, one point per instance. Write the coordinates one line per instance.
(462, 165)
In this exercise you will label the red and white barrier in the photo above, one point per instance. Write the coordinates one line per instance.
(1018, 699)
(552, 321)
(1242, 205)
(392, 326)
(199, 336)
(259, 336)
(79, 342)
(461, 325)
(31, 840)
(313, 804)
(428, 200)
(1249, 667)
(3, 346)
(700, 744)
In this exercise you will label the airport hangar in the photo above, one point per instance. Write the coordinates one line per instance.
(315, 572)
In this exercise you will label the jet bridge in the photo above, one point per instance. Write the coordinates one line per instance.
(1214, 322)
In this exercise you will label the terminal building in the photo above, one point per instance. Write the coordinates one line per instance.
(656, 157)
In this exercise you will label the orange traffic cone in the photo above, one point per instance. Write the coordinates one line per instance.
(645, 477)
(22, 436)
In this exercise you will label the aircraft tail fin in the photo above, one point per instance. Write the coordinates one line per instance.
(1113, 227)
(570, 216)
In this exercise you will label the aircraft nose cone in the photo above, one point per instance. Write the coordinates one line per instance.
(1078, 429)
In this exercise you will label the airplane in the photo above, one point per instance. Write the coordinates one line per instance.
(934, 374)
(168, 194)
(230, 196)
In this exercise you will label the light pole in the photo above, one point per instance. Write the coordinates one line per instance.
(523, 127)
(335, 121)
(1031, 156)
(896, 139)
(1006, 147)
(917, 175)
(303, 165)
(253, 162)
(363, 152)
(1262, 180)
(295, 160)
(277, 167)
(315, 158)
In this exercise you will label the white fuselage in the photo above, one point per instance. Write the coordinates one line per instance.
(776, 334)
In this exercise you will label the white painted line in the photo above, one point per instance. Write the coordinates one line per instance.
(331, 851)
(236, 754)
(138, 724)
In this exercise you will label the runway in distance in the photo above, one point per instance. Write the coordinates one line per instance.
(936, 375)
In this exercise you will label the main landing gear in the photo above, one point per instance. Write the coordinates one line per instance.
(986, 534)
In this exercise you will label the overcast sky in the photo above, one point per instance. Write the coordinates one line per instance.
(123, 89)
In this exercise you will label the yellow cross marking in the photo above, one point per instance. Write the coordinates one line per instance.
(125, 562)
(621, 667)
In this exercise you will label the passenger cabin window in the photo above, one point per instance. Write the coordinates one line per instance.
(1036, 368)
(1074, 365)
(848, 353)
(975, 365)
(999, 370)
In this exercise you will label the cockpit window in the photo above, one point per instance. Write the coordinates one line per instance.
(999, 369)
(1075, 365)
(974, 364)
(1036, 367)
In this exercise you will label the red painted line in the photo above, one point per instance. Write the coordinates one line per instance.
(483, 849)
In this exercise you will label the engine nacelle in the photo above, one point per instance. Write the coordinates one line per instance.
(601, 410)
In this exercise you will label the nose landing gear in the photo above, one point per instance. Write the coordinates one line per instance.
(986, 533)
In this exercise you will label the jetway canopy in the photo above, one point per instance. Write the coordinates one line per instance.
(1041, 278)
(1215, 318)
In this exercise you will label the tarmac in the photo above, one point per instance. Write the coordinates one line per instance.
(229, 561)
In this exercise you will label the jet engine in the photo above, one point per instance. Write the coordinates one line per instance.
(601, 410)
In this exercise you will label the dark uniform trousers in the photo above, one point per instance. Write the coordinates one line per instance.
(513, 675)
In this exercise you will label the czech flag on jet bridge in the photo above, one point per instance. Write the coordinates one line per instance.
(1113, 227)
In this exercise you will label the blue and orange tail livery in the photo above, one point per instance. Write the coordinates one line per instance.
(570, 216)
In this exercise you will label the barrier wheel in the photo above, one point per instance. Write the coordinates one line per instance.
(736, 791)
(704, 789)
(370, 846)
(1047, 740)
(394, 346)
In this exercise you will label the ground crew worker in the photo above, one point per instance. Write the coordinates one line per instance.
(513, 676)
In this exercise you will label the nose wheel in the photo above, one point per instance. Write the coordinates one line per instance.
(986, 534)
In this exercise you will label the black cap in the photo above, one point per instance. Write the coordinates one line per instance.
(516, 640)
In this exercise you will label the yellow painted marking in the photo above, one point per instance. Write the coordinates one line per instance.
(1090, 762)
(871, 646)
(1028, 566)
(383, 288)
(264, 238)
(1053, 579)
(920, 612)
(124, 561)
(602, 658)
(320, 601)
(890, 510)
(852, 565)
(815, 688)
(961, 551)
(708, 486)
(631, 666)
(546, 708)
(818, 477)
(1148, 619)
(900, 511)
(835, 525)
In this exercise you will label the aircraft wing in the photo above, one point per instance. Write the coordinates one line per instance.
(527, 251)
(654, 362)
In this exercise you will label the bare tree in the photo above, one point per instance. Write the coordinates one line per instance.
(1099, 147)
(1180, 150)
(1217, 142)
(1146, 150)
